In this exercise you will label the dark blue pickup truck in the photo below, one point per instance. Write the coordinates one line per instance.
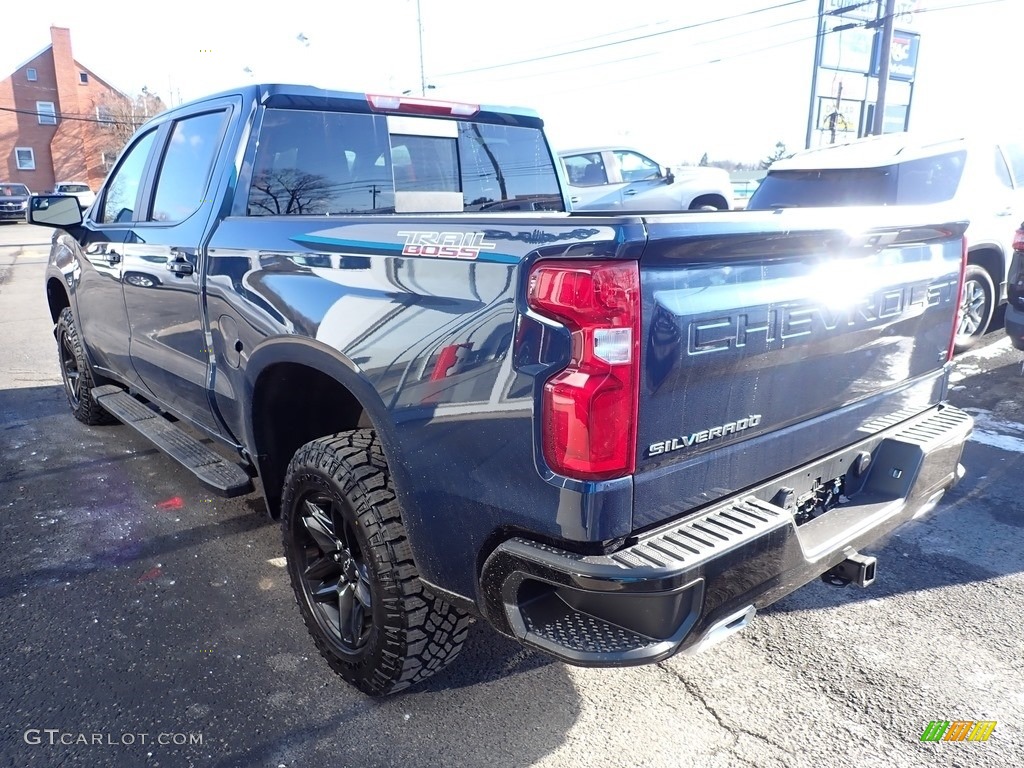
(613, 437)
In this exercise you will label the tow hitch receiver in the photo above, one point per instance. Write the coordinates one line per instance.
(856, 568)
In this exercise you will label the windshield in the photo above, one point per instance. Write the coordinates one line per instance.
(73, 188)
(13, 190)
(915, 182)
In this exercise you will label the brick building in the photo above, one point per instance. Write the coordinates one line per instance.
(40, 142)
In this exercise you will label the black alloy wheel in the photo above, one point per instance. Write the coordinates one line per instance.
(335, 576)
(76, 373)
(352, 571)
(69, 371)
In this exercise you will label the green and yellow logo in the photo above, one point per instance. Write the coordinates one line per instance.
(958, 730)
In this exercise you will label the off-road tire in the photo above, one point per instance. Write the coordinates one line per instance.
(980, 292)
(69, 343)
(412, 634)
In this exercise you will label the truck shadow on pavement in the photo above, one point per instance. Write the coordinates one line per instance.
(498, 704)
(188, 624)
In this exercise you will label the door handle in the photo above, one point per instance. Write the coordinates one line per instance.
(113, 257)
(179, 265)
(630, 192)
(574, 199)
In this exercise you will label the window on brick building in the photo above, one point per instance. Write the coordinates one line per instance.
(83, 77)
(31, 75)
(107, 159)
(26, 158)
(46, 112)
(104, 115)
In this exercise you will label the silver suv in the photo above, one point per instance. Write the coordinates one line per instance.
(981, 181)
(619, 178)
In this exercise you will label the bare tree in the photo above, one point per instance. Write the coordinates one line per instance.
(289, 191)
(121, 115)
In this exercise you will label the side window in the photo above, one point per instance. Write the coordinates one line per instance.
(586, 170)
(317, 163)
(185, 171)
(123, 189)
(1002, 172)
(636, 167)
(930, 179)
(1015, 154)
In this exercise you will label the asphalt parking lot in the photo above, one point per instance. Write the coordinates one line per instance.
(139, 609)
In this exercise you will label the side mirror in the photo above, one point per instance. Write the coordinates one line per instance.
(59, 211)
(670, 177)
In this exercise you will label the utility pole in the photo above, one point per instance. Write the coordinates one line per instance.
(885, 55)
(837, 115)
(423, 75)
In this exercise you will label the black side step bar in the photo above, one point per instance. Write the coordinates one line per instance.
(214, 471)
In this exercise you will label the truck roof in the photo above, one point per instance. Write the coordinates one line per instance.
(291, 96)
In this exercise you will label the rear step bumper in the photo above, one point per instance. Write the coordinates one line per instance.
(689, 584)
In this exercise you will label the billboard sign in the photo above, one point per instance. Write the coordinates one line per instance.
(849, 50)
(902, 56)
(861, 10)
(846, 119)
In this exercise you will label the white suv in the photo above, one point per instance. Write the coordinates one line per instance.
(77, 189)
(979, 180)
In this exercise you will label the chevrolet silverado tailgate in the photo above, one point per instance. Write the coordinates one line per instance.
(769, 341)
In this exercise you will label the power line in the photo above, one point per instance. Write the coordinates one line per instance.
(63, 116)
(623, 41)
(864, 25)
(550, 72)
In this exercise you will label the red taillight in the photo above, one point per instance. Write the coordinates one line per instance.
(421, 106)
(590, 408)
(959, 300)
(1018, 240)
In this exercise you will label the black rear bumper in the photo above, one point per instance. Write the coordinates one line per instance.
(690, 583)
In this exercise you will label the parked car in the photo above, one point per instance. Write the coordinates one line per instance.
(1015, 292)
(982, 179)
(594, 431)
(13, 201)
(76, 189)
(618, 178)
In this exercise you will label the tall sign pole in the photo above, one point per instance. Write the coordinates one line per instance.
(885, 56)
(423, 74)
(814, 73)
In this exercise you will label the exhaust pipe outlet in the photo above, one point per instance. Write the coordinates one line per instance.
(855, 569)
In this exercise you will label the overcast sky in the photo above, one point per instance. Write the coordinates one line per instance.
(732, 84)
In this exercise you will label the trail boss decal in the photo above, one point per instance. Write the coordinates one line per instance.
(729, 428)
(445, 245)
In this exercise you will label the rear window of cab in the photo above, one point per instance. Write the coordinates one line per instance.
(331, 163)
